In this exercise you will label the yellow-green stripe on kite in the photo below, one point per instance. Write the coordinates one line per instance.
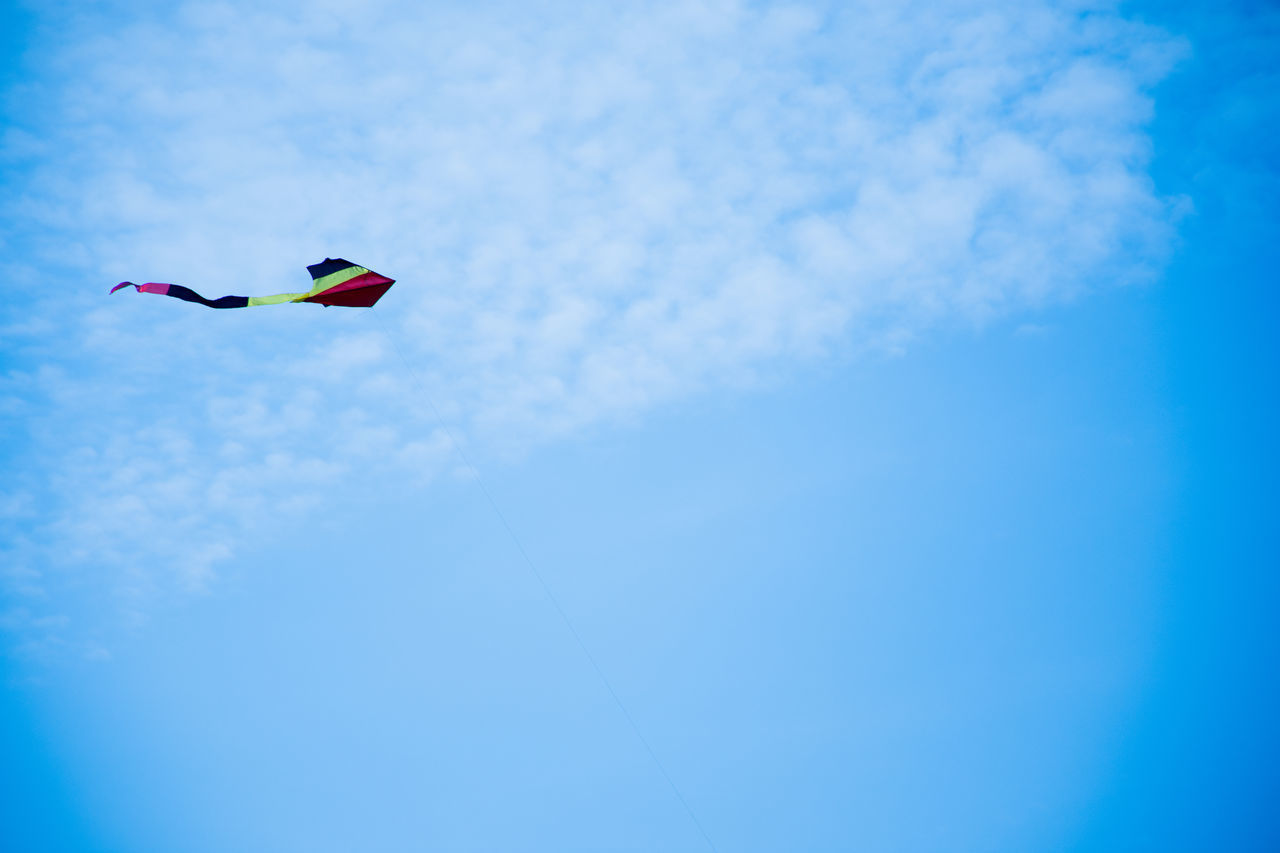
(335, 279)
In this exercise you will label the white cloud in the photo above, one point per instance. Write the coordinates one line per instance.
(591, 209)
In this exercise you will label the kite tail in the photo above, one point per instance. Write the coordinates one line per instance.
(185, 293)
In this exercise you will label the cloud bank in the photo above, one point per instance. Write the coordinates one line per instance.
(591, 211)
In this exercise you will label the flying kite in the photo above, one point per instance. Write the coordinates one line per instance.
(333, 282)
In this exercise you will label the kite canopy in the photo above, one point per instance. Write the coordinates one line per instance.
(333, 282)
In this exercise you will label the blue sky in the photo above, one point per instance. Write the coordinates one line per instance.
(886, 392)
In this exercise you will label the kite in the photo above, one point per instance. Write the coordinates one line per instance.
(333, 282)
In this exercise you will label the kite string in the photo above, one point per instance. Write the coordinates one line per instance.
(546, 588)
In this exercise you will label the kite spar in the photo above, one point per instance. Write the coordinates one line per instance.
(333, 282)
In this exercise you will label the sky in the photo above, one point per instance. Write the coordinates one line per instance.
(795, 426)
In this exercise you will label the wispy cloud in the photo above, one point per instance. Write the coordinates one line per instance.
(591, 211)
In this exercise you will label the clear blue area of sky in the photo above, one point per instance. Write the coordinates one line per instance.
(1013, 590)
